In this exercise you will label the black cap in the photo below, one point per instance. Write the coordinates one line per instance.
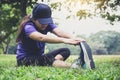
(42, 13)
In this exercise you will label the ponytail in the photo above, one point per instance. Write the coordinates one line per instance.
(22, 24)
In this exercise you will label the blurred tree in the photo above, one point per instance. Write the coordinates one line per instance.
(11, 12)
(20, 5)
(8, 22)
(107, 9)
(105, 41)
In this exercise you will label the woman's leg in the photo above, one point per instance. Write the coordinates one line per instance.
(35, 60)
(61, 64)
(59, 56)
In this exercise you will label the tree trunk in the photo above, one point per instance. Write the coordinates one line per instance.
(23, 7)
(6, 46)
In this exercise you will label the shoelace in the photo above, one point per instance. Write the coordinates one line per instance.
(77, 62)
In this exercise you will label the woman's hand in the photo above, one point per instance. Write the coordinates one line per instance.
(79, 39)
(73, 41)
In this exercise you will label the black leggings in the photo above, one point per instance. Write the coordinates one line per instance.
(44, 60)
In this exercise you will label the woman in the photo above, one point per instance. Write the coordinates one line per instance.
(32, 36)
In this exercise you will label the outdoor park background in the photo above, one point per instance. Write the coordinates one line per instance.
(97, 21)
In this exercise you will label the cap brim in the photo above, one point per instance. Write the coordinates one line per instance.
(45, 20)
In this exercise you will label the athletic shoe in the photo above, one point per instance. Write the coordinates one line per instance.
(78, 64)
(85, 58)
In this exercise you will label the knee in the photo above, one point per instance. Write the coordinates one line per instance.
(59, 57)
(66, 53)
(67, 50)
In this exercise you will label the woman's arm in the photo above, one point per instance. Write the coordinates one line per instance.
(60, 33)
(45, 38)
(63, 34)
(52, 39)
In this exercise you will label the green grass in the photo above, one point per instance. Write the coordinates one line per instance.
(107, 68)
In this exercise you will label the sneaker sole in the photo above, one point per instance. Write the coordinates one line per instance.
(86, 56)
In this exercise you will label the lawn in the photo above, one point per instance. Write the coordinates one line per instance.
(107, 68)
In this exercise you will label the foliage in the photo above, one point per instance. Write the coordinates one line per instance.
(11, 13)
(12, 49)
(107, 68)
(107, 41)
(107, 9)
(19, 5)
(8, 16)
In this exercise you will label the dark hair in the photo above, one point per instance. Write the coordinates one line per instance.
(20, 27)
